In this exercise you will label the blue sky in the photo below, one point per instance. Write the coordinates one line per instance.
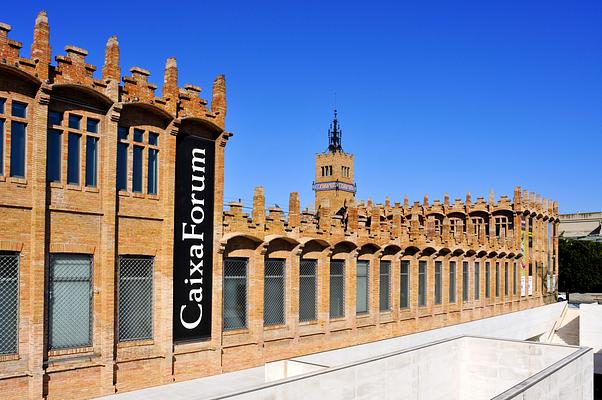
(433, 97)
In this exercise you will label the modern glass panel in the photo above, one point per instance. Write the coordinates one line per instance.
(135, 298)
(452, 281)
(477, 280)
(91, 160)
(273, 292)
(17, 149)
(19, 109)
(1, 147)
(487, 279)
(506, 278)
(70, 301)
(92, 125)
(9, 302)
(438, 281)
(384, 292)
(465, 281)
(497, 279)
(137, 169)
(235, 293)
(55, 118)
(122, 166)
(138, 135)
(122, 133)
(153, 156)
(53, 157)
(362, 286)
(404, 284)
(308, 290)
(422, 283)
(337, 288)
(73, 155)
(153, 139)
(75, 121)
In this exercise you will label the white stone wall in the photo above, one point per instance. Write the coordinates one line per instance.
(590, 326)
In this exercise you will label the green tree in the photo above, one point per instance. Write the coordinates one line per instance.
(580, 266)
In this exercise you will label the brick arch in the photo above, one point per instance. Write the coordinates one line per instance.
(16, 80)
(200, 127)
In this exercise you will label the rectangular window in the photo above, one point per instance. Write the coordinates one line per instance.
(235, 293)
(477, 280)
(17, 149)
(308, 290)
(153, 155)
(19, 110)
(465, 282)
(122, 166)
(137, 169)
(337, 288)
(487, 279)
(138, 135)
(55, 118)
(497, 279)
(91, 160)
(422, 283)
(506, 278)
(9, 303)
(404, 284)
(2, 103)
(92, 125)
(1, 147)
(452, 281)
(384, 292)
(362, 286)
(438, 280)
(135, 298)
(73, 155)
(70, 301)
(75, 121)
(53, 157)
(273, 292)
(122, 133)
(153, 139)
(514, 278)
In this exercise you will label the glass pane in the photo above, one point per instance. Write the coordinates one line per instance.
(487, 280)
(91, 160)
(404, 284)
(17, 149)
(477, 283)
(73, 152)
(307, 290)
(438, 267)
(9, 303)
(235, 294)
(273, 292)
(152, 171)
(153, 139)
(337, 289)
(452, 281)
(1, 147)
(92, 125)
(122, 133)
(2, 103)
(137, 169)
(135, 298)
(384, 286)
(55, 118)
(122, 170)
(19, 109)
(74, 121)
(361, 300)
(138, 135)
(53, 158)
(422, 283)
(464, 281)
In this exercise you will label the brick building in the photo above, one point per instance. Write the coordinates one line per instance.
(119, 270)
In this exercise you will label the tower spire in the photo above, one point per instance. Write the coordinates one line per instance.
(334, 135)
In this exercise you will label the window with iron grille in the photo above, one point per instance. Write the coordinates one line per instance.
(384, 293)
(404, 284)
(9, 302)
(514, 278)
(135, 298)
(337, 288)
(70, 301)
(487, 279)
(422, 283)
(506, 278)
(497, 279)
(308, 290)
(273, 291)
(465, 281)
(452, 281)
(477, 280)
(362, 286)
(438, 268)
(235, 293)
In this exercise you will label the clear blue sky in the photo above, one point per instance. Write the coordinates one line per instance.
(433, 96)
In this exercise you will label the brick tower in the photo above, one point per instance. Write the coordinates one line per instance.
(334, 184)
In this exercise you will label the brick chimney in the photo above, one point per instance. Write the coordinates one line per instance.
(218, 100)
(40, 48)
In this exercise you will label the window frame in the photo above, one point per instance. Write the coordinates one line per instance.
(404, 265)
(17, 256)
(130, 146)
(366, 264)
(315, 279)
(282, 263)
(380, 286)
(340, 315)
(152, 298)
(246, 280)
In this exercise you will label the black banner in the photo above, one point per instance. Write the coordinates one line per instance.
(193, 238)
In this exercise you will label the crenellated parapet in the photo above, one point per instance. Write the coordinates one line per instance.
(72, 69)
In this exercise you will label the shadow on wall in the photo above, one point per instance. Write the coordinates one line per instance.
(570, 332)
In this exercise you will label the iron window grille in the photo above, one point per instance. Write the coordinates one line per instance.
(506, 279)
(235, 293)
(9, 303)
(308, 290)
(477, 281)
(497, 279)
(422, 283)
(452, 281)
(273, 291)
(465, 280)
(337, 288)
(487, 279)
(404, 284)
(135, 295)
(384, 292)
(438, 270)
(362, 287)
(70, 301)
